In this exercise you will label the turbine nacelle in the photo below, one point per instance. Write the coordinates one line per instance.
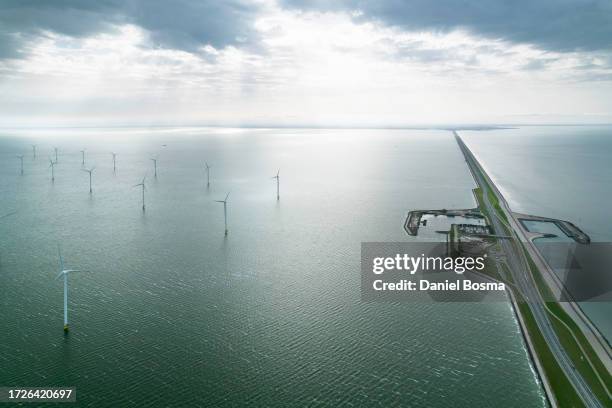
(223, 201)
(66, 272)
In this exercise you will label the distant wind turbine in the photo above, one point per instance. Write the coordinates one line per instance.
(114, 161)
(34, 151)
(52, 166)
(207, 174)
(277, 177)
(155, 164)
(55, 149)
(64, 273)
(90, 171)
(143, 191)
(83, 157)
(224, 210)
(20, 157)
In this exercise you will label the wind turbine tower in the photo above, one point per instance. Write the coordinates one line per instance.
(277, 177)
(20, 157)
(52, 167)
(34, 151)
(83, 157)
(64, 273)
(142, 184)
(224, 210)
(114, 161)
(155, 164)
(90, 171)
(207, 174)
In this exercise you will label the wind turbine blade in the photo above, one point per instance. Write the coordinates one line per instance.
(59, 275)
(6, 215)
(59, 252)
(226, 197)
(278, 172)
(74, 270)
(219, 201)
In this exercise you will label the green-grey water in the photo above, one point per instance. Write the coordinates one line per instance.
(173, 313)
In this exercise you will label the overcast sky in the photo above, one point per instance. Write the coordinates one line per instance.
(293, 62)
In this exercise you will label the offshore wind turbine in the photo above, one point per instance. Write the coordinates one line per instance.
(207, 174)
(33, 151)
(20, 157)
(114, 161)
(52, 166)
(143, 191)
(55, 149)
(64, 273)
(277, 177)
(83, 157)
(90, 171)
(224, 210)
(155, 164)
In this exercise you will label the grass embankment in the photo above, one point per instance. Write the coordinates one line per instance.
(563, 390)
(568, 332)
(570, 342)
(565, 394)
(493, 198)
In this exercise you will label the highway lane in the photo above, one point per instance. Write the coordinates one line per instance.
(523, 279)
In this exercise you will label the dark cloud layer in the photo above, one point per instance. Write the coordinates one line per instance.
(555, 25)
(181, 24)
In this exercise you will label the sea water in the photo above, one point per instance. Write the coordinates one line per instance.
(173, 312)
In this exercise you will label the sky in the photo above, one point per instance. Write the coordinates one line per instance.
(304, 63)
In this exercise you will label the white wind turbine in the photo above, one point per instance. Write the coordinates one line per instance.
(52, 167)
(277, 177)
(55, 149)
(83, 157)
(224, 210)
(20, 157)
(64, 273)
(155, 164)
(33, 151)
(143, 191)
(114, 161)
(90, 171)
(207, 174)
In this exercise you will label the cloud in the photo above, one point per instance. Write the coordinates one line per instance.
(553, 25)
(182, 24)
(275, 65)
